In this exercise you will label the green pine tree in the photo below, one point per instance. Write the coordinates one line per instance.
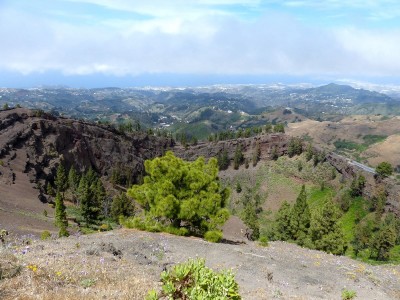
(61, 215)
(238, 159)
(384, 241)
(73, 179)
(61, 181)
(282, 223)
(325, 232)
(122, 206)
(300, 218)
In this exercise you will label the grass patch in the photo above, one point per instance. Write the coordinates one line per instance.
(370, 139)
(349, 145)
(348, 221)
(317, 197)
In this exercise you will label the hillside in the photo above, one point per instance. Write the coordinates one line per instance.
(33, 144)
(125, 264)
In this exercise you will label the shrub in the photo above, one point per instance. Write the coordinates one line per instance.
(384, 169)
(45, 235)
(348, 294)
(263, 241)
(213, 236)
(193, 280)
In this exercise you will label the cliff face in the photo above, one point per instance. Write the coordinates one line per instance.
(46, 140)
(267, 144)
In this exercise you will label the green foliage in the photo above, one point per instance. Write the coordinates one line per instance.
(263, 241)
(61, 216)
(363, 233)
(300, 218)
(5, 106)
(295, 147)
(49, 190)
(238, 159)
(384, 169)
(91, 193)
(61, 181)
(182, 194)
(348, 294)
(250, 214)
(309, 152)
(45, 235)
(60, 213)
(384, 241)
(371, 139)
(282, 230)
(213, 236)
(122, 206)
(279, 128)
(357, 186)
(256, 154)
(73, 179)
(325, 232)
(193, 280)
(223, 160)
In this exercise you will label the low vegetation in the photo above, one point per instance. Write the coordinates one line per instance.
(193, 280)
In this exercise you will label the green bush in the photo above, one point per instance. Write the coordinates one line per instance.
(213, 236)
(263, 241)
(348, 294)
(193, 280)
(45, 235)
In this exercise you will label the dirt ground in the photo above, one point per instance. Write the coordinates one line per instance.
(124, 264)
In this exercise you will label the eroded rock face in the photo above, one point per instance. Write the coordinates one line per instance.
(48, 140)
(267, 144)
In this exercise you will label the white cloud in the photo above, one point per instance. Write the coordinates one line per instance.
(172, 42)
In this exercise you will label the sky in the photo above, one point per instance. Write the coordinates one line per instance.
(95, 43)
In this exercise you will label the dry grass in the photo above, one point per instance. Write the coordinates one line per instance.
(72, 275)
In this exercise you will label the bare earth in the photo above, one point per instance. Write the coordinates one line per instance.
(125, 264)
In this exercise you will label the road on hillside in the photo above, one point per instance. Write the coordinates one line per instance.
(363, 167)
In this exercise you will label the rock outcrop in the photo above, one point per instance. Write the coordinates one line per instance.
(48, 140)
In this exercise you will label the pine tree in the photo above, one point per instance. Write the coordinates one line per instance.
(223, 160)
(238, 158)
(49, 190)
(256, 154)
(61, 215)
(384, 241)
(325, 231)
(73, 179)
(362, 236)
(282, 223)
(122, 206)
(309, 152)
(300, 218)
(61, 179)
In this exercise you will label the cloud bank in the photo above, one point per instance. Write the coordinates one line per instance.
(198, 37)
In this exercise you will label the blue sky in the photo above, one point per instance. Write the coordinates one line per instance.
(157, 42)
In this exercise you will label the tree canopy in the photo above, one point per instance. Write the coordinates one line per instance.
(182, 194)
(384, 169)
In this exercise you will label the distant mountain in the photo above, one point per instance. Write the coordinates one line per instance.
(201, 110)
